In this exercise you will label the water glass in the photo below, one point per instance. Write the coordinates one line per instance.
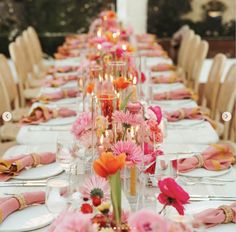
(57, 195)
(67, 151)
(166, 166)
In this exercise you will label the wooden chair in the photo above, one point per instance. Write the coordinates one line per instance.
(22, 73)
(201, 54)
(36, 48)
(226, 99)
(213, 83)
(11, 89)
(8, 131)
(191, 54)
(184, 48)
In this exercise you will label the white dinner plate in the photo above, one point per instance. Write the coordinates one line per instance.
(197, 207)
(37, 173)
(59, 121)
(40, 172)
(65, 101)
(31, 218)
(202, 172)
(186, 122)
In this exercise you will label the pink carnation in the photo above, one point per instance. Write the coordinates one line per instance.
(82, 124)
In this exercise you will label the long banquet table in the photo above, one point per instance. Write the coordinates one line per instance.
(193, 138)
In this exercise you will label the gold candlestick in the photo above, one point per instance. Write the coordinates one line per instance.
(133, 180)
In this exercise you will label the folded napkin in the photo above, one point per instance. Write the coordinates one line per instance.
(43, 114)
(177, 94)
(215, 158)
(65, 93)
(163, 67)
(11, 167)
(8, 205)
(58, 81)
(222, 215)
(155, 53)
(62, 69)
(166, 79)
(189, 113)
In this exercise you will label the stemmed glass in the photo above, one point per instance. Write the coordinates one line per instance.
(57, 195)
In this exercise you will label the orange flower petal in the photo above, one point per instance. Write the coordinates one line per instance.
(99, 169)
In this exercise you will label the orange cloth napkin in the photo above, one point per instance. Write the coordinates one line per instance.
(163, 67)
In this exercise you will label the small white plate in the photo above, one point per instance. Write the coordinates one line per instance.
(28, 219)
(40, 172)
(197, 207)
(59, 121)
(202, 172)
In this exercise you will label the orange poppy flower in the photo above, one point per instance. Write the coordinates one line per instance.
(108, 164)
(90, 88)
(121, 83)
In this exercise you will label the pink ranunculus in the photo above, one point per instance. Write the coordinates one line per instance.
(134, 107)
(172, 194)
(147, 221)
(157, 112)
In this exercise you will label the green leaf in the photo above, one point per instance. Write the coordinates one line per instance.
(125, 102)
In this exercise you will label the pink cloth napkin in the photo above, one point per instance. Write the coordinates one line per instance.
(63, 69)
(177, 94)
(162, 67)
(154, 53)
(215, 158)
(188, 113)
(58, 81)
(166, 79)
(11, 167)
(213, 217)
(65, 93)
(8, 205)
(43, 114)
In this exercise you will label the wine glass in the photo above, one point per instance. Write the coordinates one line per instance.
(57, 195)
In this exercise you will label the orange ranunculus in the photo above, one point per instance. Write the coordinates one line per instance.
(111, 14)
(121, 83)
(90, 88)
(109, 164)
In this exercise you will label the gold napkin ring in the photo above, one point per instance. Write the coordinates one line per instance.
(229, 215)
(36, 159)
(20, 198)
(200, 161)
(65, 93)
(54, 113)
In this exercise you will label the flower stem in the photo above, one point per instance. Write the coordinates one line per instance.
(123, 137)
(163, 208)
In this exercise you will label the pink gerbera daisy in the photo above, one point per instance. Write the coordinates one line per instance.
(128, 118)
(95, 186)
(132, 151)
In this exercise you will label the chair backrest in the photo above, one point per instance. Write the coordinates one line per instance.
(184, 47)
(201, 55)
(17, 59)
(4, 100)
(7, 77)
(35, 43)
(192, 53)
(226, 97)
(213, 82)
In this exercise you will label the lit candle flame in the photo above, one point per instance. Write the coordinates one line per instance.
(132, 132)
(99, 33)
(99, 46)
(135, 80)
(124, 47)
